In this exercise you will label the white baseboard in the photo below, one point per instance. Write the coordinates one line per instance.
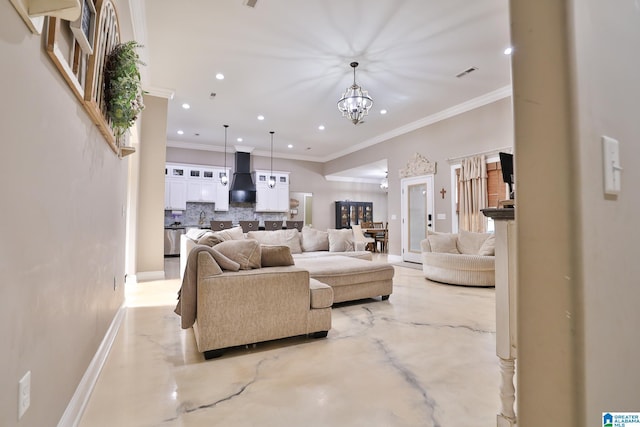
(77, 404)
(145, 276)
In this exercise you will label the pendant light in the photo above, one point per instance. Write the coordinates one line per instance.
(384, 184)
(272, 179)
(224, 178)
(355, 101)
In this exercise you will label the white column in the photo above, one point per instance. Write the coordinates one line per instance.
(506, 318)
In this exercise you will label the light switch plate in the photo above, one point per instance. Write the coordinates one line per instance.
(611, 165)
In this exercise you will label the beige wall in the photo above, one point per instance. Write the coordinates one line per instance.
(483, 129)
(574, 81)
(607, 46)
(63, 226)
(150, 224)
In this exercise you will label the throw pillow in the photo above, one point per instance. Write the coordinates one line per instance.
(443, 243)
(469, 243)
(195, 233)
(488, 248)
(210, 239)
(290, 238)
(340, 240)
(314, 240)
(245, 252)
(234, 233)
(275, 256)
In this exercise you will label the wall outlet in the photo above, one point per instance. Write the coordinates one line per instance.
(24, 394)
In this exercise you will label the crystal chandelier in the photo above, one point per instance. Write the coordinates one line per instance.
(355, 102)
(224, 179)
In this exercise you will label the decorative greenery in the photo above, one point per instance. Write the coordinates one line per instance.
(122, 87)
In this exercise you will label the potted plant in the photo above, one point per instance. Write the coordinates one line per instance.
(123, 88)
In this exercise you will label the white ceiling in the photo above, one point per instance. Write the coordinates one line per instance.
(289, 61)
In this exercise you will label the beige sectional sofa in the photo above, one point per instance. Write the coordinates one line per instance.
(252, 289)
(463, 258)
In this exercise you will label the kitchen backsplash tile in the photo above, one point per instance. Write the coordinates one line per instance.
(237, 212)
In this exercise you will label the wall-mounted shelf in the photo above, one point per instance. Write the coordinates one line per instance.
(34, 11)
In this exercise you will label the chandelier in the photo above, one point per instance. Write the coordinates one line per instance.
(355, 102)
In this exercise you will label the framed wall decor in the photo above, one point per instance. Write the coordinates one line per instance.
(84, 27)
(83, 71)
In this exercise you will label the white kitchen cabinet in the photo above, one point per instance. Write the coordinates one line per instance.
(271, 199)
(175, 194)
(175, 187)
(201, 186)
(195, 183)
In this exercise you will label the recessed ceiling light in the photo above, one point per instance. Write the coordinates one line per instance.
(220, 76)
(186, 106)
(180, 132)
(239, 139)
(508, 50)
(321, 127)
(290, 146)
(383, 111)
(260, 117)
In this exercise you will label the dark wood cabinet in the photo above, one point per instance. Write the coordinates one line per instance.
(349, 213)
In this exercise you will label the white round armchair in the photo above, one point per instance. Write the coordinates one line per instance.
(459, 259)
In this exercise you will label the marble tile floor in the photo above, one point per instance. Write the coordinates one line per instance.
(426, 357)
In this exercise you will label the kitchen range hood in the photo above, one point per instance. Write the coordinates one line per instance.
(243, 189)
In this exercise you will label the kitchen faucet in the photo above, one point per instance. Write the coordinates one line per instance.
(201, 220)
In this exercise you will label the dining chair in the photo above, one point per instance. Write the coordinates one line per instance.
(368, 243)
(273, 225)
(382, 237)
(221, 225)
(248, 226)
(295, 224)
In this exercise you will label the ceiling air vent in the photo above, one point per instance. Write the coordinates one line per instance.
(467, 71)
(251, 3)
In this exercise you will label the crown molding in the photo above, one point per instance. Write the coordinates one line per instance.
(337, 178)
(159, 92)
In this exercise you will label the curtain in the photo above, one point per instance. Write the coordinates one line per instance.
(473, 194)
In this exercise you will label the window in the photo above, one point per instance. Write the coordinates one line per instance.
(496, 190)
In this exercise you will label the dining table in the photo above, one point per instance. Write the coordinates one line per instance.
(380, 235)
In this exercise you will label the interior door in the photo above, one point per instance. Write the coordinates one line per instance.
(417, 214)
